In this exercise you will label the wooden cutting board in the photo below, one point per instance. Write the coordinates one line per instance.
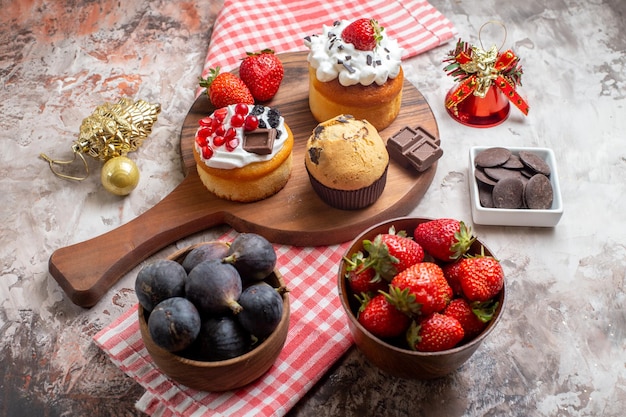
(294, 216)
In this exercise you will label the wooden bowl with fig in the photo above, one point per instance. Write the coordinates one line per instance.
(214, 316)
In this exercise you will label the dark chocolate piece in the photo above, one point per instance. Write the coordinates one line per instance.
(414, 148)
(538, 193)
(513, 163)
(259, 141)
(508, 193)
(534, 162)
(482, 178)
(499, 173)
(492, 157)
(485, 195)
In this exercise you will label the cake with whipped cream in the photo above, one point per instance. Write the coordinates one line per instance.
(355, 68)
(243, 152)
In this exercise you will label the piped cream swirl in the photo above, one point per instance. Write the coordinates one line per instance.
(333, 58)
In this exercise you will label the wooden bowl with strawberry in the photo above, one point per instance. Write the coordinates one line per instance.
(420, 295)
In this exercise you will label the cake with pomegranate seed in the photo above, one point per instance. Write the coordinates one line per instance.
(347, 162)
(243, 152)
(355, 68)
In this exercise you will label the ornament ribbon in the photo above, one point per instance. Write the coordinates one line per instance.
(481, 69)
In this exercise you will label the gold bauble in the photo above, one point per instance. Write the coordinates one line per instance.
(119, 175)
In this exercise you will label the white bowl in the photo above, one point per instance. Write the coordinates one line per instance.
(516, 217)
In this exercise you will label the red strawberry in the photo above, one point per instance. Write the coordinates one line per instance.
(473, 317)
(262, 72)
(364, 34)
(381, 318)
(362, 278)
(225, 88)
(435, 333)
(451, 272)
(481, 277)
(392, 253)
(425, 284)
(444, 239)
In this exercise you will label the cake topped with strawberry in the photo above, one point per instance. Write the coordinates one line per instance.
(357, 52)
(354, 68)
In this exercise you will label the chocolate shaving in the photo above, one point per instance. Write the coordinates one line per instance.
(349, 67)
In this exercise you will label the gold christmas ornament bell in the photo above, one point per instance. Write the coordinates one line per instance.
(109, 134)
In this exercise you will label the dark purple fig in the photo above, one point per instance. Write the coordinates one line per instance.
(252, 255)
(214, 287)
(174, 324)
(158, 281)
(205, 252)
(262, 309)
(222, 338)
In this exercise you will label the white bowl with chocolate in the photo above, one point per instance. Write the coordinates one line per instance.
(511, 186)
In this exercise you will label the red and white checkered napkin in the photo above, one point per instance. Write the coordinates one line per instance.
(318, 335)
(251, 25)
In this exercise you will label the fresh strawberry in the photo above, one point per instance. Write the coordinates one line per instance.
(392, 253)
(444, 239)
(425, 283)
(225, 88)
(481, 277)
(381, 318)
(361, 277)
(364, 34)
(451, 272)
(473, 317)
(435, 333)
(262, 72)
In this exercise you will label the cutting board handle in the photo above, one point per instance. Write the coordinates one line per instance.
(88, 269)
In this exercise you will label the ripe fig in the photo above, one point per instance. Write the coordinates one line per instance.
(205, 252)
(214, 287)
(174, 324)
(262, 309)
(222, 338)
(252, 255)
(158, 281)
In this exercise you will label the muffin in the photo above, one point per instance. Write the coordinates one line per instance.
(243, 152)
(347, 162)
(343, 79)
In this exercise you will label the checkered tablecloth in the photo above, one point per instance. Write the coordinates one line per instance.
(251, 25)
(318, 333)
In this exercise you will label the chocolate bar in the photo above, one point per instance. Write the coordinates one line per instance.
(414, 148)
(259, 141)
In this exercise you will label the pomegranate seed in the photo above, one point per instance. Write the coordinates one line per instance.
(220, 114)
(241, 109)
(220, 131)
(237, 120)
(206, 121)
(201, 141)
(218, 141)
(207, 152)
(230, 133)
(231, 145)
(251, 123)
(205, 132)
